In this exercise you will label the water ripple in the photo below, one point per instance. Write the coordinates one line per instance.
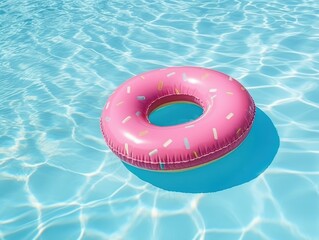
(59, 63)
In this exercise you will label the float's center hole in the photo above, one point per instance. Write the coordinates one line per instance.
(174, 113)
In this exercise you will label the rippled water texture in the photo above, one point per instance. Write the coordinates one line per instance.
(60, 61)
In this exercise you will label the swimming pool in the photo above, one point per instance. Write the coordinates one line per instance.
(59, 62)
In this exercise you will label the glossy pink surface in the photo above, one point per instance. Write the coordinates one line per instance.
(228, 115)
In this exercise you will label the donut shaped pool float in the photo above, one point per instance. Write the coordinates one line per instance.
(228, 114)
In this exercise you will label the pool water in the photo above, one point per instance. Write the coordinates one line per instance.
(175, 113)
(61, 60)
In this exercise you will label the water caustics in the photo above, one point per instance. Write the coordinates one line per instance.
(59, 63)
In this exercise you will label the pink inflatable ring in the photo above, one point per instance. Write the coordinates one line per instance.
(227, 118)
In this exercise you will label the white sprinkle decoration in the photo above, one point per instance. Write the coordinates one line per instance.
(167, 143)
(153, 152)
(138, 113)
(189, 126)
(230, 115)
(229, 93)
(107, 105)
(126, 119)
(230, 78)
(107, 119)
(170, 74)
(215, 134)
(212, 98)
(184, 77)
(128, 89)
(186, 143)
(126, 148)
(140, 98)
(213, 90)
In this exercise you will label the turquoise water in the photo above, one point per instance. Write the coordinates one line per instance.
(61, 60)
(175, 113)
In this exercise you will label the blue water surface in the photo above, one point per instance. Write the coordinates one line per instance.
(61, 60)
